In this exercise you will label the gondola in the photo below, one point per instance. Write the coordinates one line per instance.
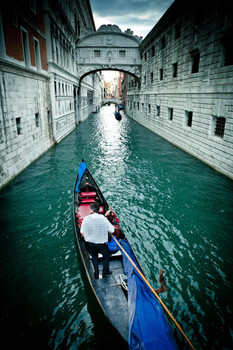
(118, 115)
(124, 297)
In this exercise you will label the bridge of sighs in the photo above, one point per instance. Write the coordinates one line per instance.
(109, 49)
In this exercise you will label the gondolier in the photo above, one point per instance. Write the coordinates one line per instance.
(94, 229)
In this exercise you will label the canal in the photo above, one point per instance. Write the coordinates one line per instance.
(176, 211)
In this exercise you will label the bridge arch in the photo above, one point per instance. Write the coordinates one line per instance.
(109, 49)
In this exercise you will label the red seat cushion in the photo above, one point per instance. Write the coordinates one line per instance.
(87, 194)
(88, 200)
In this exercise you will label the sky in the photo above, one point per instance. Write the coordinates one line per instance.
(138, 15)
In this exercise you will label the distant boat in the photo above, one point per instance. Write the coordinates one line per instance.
(118, 115)
(124, 297)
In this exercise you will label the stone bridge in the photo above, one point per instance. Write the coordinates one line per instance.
(109, 49)
(111, 100)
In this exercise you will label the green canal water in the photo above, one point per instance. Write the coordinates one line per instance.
(176, 212)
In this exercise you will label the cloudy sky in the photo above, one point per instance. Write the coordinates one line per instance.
(138, 15)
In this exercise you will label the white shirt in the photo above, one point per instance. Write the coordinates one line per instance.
(95, 228)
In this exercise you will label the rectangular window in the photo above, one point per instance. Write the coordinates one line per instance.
(48, 117)
(37, 120)
(153, 51)
(170, 113)
(151, 77)
(144, 79)
(177, 31)
(149, 108)
(195, 59)
(25, 43)
(163, 42)
(138, 105)
(96, 53)
(174, 70)
(15, 19)
(142, 105)
(37, 54)
(145, 56)
(18, 125)
(122, 53)
(218, 126)
(161, 74)
(188, 118)
(158, 110)
(33, 5)
(227, 50)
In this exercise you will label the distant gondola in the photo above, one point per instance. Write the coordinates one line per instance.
(118, 115)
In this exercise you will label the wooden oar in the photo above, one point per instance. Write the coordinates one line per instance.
(155, 294)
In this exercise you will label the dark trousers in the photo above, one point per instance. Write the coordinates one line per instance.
(94, 249)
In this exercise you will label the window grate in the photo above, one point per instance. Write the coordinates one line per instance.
(37, 119)
(122, 53)
(220, 126)
(170, 113)
(18, 126)
(189, 118)
(195, 60)
(96, 53)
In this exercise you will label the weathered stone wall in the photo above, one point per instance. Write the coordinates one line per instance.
(39, 86)
(25, 127)
(187, 82)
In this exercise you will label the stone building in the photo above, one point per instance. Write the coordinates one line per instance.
(42, 98)
(186, 91)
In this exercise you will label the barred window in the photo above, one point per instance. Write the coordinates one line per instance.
(174, 70)
(227, 50)
(188, 118)
(18, 125)
(161, 74)
(163, 42)
(37, 119)
(151, 77)
(153, 51)
(177, 30)
(219, 126)
(96, 53)
(195, 59)
(170, 113)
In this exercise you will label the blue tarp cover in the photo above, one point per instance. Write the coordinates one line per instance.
(113, 246)
(81, 170)
(148, 327)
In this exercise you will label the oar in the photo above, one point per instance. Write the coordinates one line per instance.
(156, 295)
